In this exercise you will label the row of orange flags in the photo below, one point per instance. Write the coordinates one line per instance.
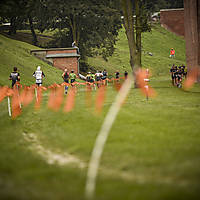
(56, 94)
(55, 100)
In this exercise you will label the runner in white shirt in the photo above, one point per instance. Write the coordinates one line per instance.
(39, 75)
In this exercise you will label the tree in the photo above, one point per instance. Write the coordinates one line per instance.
(12, 11)
(92, 24)
(135, 22)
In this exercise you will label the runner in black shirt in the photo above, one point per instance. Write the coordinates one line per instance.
(117, 75)
(105, 74)
(125, 74)
(14, 76)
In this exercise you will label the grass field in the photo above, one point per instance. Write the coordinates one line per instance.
(152, 151)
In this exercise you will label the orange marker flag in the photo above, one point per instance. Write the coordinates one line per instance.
(23, 94)
(56, 98)
(52, 96)
(9, 92)
(39, 98)
(142, 79)
(100, 97)
(191, 78)
(16, 110)
(28, 96)
(88, 96)
(3, 91)
(70, 100)
(117, 85)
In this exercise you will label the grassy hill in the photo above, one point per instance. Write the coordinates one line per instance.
(158, 42)
(152, 151)
(16, 53)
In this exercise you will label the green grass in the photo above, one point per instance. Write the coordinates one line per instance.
(152, 151)
(158, 42)
(15, 53)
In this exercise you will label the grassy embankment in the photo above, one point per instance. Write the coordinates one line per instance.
(152, 151)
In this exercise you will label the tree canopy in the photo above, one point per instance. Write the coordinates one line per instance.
(92, 24)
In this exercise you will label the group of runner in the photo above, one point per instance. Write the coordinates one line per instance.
(38, 75)
(102, 75)
(68, 77)
(178, 73)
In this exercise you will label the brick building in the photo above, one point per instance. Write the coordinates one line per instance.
(60, 58)
(173, 20)
(185, 22)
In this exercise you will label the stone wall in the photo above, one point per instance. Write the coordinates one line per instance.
(173, 20)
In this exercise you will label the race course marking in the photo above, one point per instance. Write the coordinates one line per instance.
(51, 157)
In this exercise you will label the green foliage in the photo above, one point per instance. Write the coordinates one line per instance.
(94, 26)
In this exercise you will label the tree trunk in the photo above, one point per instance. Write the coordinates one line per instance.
(35, 41)
(75, 33)
(138, 34)
(198, 28)
(13, 26)
(127, 9)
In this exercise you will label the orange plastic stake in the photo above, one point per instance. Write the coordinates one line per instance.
(88, 96)
(3, 92)
(70, 100)
(100, 97)
(16, 111)
(191, 78)
(57, 99)
(39, 98)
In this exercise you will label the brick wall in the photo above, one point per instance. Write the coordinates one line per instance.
(69, 63)
(173, 20)
(61, 62)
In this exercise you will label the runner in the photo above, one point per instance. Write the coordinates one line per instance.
(125, 74)
(184, 71)
(98, 77)
(65, 77)
(14, 76)
(117, 74)
(180, 77)
(39, 75)
(172, 72)
(104, 74)
(89, 77)
(72, 77)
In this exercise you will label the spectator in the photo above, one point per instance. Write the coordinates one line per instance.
(172, 53)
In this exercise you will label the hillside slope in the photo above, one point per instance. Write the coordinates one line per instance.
(159, 42)
(16, 53)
